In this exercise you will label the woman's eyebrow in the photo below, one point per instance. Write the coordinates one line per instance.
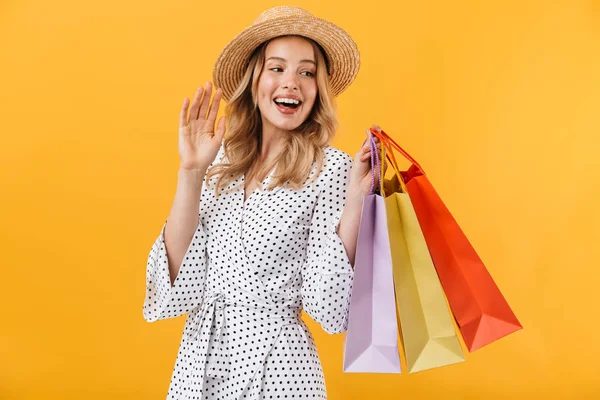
(284, 60)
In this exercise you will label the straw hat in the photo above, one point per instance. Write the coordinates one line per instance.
(341, 52)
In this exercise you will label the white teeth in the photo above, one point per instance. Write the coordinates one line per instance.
(285, 100)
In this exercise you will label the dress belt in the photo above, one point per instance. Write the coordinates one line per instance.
(212, 351)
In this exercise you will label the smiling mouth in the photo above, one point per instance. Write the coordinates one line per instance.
(287, 105)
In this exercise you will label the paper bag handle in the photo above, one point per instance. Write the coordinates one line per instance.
(382, 135)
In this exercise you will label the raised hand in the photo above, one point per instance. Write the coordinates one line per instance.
(199, 143)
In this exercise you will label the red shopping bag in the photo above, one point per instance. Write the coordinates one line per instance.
(481, 311)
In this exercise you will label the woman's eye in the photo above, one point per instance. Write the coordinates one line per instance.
(308, 73)
(276, 68)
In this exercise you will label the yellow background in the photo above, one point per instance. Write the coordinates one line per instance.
(499, 101)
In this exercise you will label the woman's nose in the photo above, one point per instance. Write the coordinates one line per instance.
(290, 81)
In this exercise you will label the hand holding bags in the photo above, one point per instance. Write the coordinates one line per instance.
(428, 332)
(480, 309)
(372, 336)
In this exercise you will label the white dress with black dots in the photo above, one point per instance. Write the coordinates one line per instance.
(249, 271)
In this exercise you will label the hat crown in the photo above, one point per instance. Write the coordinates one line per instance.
(281, 12)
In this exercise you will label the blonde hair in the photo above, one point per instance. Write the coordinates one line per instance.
(302, 147)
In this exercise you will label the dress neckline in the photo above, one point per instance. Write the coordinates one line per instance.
(261, 188)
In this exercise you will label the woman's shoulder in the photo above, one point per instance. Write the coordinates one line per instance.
(335, 159)
(336, 167)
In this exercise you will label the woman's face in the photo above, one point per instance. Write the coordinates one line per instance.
(287, 86)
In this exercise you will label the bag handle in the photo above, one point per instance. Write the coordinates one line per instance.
(390, 156)
(375, 161)
(382, 135)
(392, 159)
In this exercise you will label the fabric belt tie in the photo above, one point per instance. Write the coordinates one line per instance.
(213, 352)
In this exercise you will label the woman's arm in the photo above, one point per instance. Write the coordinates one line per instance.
(183, 219)
(350, 221)
(359, 186)
(178, 261)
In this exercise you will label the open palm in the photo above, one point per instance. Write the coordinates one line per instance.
(199, 143)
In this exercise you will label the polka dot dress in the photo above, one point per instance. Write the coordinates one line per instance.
(249, 271)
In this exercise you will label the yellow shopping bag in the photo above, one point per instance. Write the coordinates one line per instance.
(428, 333)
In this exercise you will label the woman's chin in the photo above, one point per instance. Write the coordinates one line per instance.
(286, 124)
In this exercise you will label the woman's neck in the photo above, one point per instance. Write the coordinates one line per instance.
(272, 140)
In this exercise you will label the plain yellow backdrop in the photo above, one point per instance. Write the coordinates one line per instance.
(498, 100)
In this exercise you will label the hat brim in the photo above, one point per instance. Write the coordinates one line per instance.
(341, 51)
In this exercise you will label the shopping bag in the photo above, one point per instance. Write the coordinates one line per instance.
(371, 343)
(428, 333)
(481, 311)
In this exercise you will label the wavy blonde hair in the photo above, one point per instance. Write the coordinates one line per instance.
(302, 147)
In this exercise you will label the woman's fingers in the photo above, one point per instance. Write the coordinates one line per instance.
(367, 147)
(183, 113)
(366, 153)
(205, 101)
(196, 104)
(221, 128)
(214, 110)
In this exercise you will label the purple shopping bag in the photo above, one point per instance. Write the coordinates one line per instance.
(372, 337)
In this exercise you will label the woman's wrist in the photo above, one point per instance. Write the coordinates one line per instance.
(191, 176)
(354, 194)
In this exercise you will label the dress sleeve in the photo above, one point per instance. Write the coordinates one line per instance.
(327, 273)
(163, 300)
(166, 301)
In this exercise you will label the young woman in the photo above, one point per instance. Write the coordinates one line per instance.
(265, 219)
